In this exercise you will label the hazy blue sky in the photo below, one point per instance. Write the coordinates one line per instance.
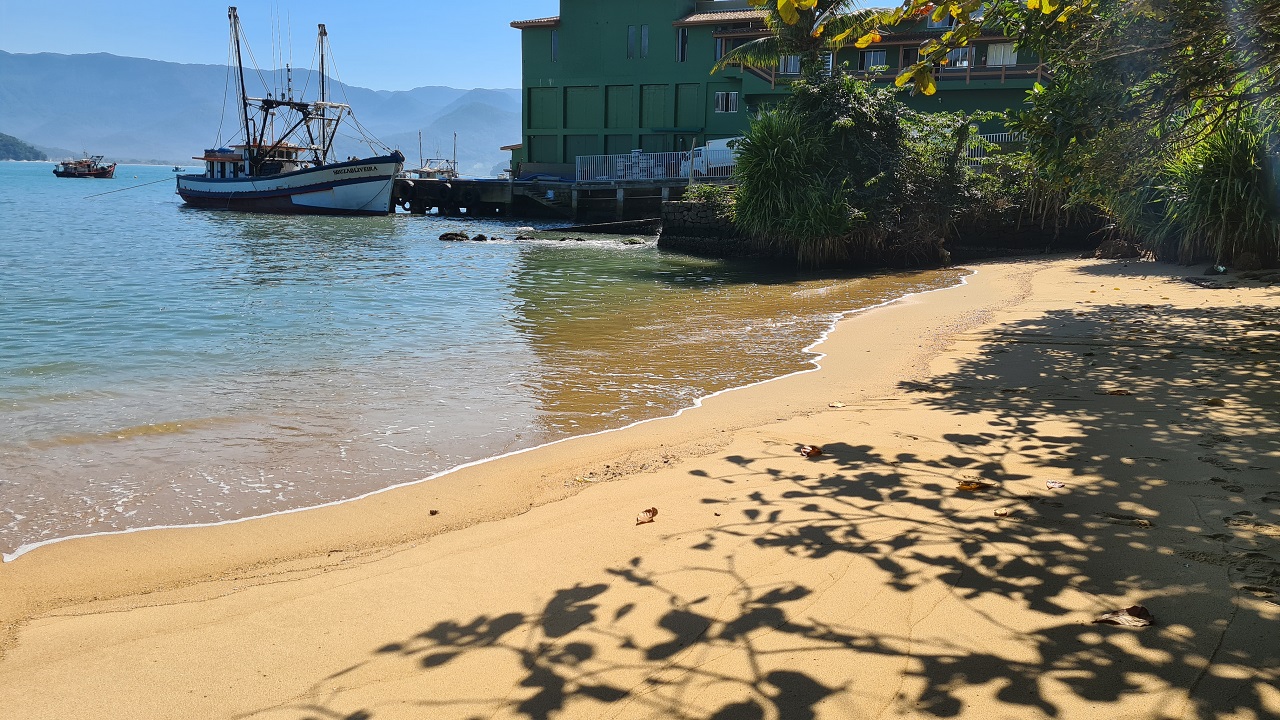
(377, 44)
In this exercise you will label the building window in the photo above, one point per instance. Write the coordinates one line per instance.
(789, 65)
(910, 56)
(682, 44)
(944, 24)
(726, 102)
(1002, 54)
(644, 41)
(631, 41)
(555, 46)
(959, 58)
(872, 59)
(828, 60)
(724, 45)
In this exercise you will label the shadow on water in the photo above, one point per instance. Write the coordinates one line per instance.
(1180, 515)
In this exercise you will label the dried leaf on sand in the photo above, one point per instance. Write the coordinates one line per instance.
(1132, 616)
(1121, 391)
(810, 450)
(972, 485)
(647, 516)
(1054, 484)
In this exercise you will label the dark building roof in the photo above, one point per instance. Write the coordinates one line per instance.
(720, 16)
(536, 23)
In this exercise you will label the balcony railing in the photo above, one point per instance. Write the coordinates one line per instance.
(977, 147)
(713, 164)
(695, 165)
(1032, 71)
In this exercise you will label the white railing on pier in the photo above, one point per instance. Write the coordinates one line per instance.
(977, 147)
(695, 165)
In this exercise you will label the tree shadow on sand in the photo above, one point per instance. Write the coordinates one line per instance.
(1170, 499)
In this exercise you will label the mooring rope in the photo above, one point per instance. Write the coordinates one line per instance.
(153, 182)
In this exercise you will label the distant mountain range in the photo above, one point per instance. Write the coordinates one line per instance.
(133, 109)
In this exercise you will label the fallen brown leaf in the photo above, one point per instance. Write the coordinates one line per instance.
(647, 516)
(1215, 402)
(1132, 616)
(972, 485)
(1119, 392)
(810, 451)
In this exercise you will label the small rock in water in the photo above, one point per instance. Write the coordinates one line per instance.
(479, 238)
(454, 237)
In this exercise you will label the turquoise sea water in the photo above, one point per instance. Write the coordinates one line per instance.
(163, 365)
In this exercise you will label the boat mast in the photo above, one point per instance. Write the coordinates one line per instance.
(244, 94)
(324, 99)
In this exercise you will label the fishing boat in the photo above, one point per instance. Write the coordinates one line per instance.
(86, 167)
(285, 163)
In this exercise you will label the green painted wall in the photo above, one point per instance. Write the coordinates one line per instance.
(608, 80)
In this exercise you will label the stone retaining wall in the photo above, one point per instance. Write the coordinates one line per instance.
(698, 229)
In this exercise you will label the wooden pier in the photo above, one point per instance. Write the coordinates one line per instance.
(600, 201)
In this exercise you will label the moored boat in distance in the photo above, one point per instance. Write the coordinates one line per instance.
(87, 167)
(290, 171)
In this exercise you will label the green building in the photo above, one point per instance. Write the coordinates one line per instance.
(607, 77)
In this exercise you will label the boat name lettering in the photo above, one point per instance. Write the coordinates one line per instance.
(365, 168)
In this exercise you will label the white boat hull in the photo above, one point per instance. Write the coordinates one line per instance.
(357, 187)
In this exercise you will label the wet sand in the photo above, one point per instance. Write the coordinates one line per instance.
(859, 583)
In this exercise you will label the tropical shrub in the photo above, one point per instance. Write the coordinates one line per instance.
(1222, 196)
(842, 172)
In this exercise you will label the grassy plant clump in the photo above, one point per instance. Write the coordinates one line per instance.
(788, 199)
(1223, 194)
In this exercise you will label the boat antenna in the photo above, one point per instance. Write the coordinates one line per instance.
(244, 99)
(421, 162)
(324, 98)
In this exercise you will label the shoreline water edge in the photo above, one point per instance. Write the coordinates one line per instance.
(814, 361)
(1002, 464)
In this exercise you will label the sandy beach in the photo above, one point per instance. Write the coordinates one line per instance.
(1002, 462)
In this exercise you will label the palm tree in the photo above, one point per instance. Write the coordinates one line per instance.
(806, 28)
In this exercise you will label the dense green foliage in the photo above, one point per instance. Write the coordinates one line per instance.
(11, 148)
(1162, 114)
(843, 172)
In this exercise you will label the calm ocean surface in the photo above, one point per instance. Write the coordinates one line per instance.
(162, 365)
